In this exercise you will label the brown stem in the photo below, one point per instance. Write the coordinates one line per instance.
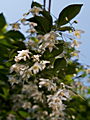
(44, 4)
(49, 8)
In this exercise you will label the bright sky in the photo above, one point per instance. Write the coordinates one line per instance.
(14, 9)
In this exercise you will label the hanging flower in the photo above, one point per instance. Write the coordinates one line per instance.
(26, 105)
(77, 33)
(43, 64)
(13, 80)
(36, 67)
(31, 30)
(50, 36)
(33, 24)
(15, 26)
(47, 83)
(75, 43)
(36, 58)
(24, 54)
(39, 66)
(35, 10)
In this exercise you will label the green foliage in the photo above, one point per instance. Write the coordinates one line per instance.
(68, 13)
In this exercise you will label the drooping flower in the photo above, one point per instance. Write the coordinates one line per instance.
(18, 67)
(26, 105)
(15, 26)
(36, 68)
(77, 33)
(39, 66)
(33, 24)
(50, 36)
(75, 43)
(36, 58)
(43, 64)
(35, 10)
(31, 30)
(49, 41)
(75, 53)
(13, 80)
(47, 83)
(24, 54)
(11, 117)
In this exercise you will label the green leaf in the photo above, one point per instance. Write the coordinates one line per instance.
(60, 63)
(2, 21)
(23, 114)
(36, 4)
(5, 93)
(66, 28)
(47, 15)
(15, 35)
(4, 52)
(68, 12)
(6, 42)
(43, 24)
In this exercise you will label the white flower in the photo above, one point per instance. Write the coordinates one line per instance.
(22, 55)
(35, 10)
(13, 80)
(63, 94)
(32, 24)
(77, 33)
(26, 105)
(50, 36)
(39, 66)
(36, 67)
(25, 74)
(15, 26)
(75, 53)
(50, 45)
(47, 83)
(11, 117)
(49, 41)
(36, 58)
(75, 43)
(55, 103)
(18, 67)
(23, 70)
(43, 64)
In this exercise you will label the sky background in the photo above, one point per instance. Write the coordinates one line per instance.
(14, 9)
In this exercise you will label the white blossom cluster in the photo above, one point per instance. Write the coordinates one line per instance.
(38, 91)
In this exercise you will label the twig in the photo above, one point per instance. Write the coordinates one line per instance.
(44, 4)
(49, 8)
